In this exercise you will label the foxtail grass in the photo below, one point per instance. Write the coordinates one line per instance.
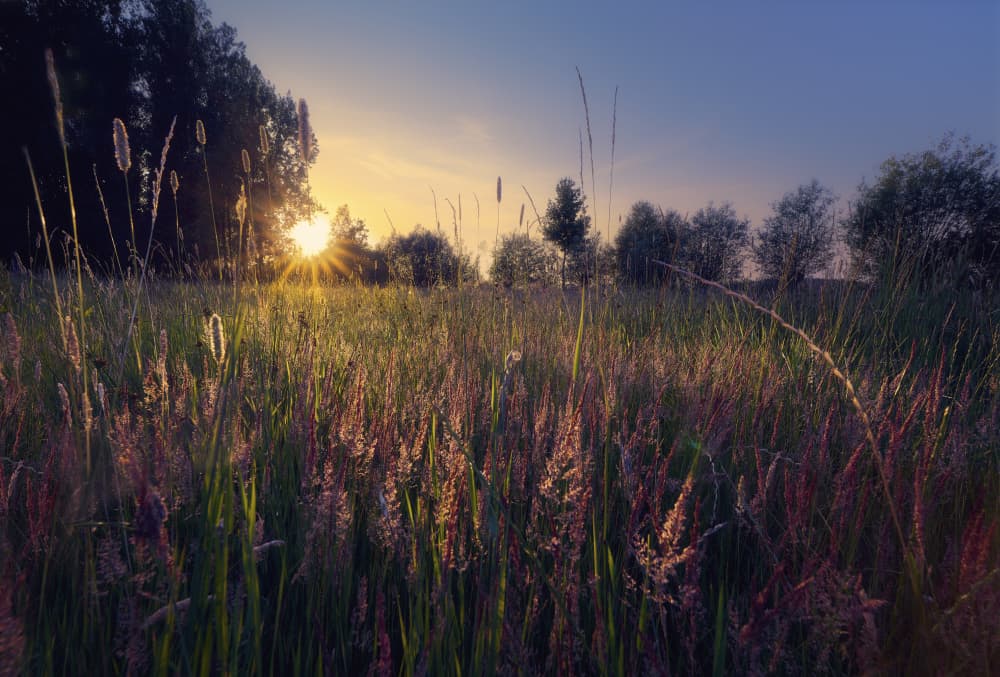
(202, 140)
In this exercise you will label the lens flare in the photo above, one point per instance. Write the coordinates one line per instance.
(311, 237)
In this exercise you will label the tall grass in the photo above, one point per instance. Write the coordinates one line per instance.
(696, 494)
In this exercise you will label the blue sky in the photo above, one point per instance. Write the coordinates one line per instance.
(723, 101)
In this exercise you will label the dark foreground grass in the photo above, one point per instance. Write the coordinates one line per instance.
(347, 480)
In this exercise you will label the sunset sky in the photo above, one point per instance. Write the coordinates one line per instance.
(721, 101)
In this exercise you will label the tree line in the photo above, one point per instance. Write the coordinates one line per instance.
(144, 63)
(238, 165)
(927, 218)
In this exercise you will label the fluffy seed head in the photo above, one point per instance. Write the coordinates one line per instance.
(123, 155)
(520, 220)
(102, 398)
(264, 146)
(246, 161)
(499, 189)
(199, 132)
(64, 402)
(175, 184)
(305, 131)
(513, 357)
(158, 180)
(50, 70)
(87, 412)
(72, 344)
(216, 338)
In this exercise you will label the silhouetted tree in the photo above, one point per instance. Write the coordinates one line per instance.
(347, 229)
(198, 71)
(91, 41)
(143, 61)
(589, 259)
(648, 233)
(797, 239)
(565, 224)
(935, 215)
(715, 243)
(521, 260)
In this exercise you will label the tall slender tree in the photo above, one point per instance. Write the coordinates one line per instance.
(566, 224)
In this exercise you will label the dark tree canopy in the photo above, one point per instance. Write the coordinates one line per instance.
(934, 214)
(797, 239)
(566, 223)
(648, 233)
(143, 61)
(715, 243)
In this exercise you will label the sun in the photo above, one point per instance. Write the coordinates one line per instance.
(311, 237)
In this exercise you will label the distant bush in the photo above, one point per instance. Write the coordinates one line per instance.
(797, 239)
(424, 259)
(521, 260)
(934, 216)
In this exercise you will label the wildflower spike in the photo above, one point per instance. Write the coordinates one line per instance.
(123, 155)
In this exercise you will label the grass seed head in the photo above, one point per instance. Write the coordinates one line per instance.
(241, 204)
(305, 131)
(158, 174)
(199, 132)
(50, 70)
(64, 403)
(513, 357)
(499, 189)
(216, 338)
(123, 155)
(245, 156)
(175, 184)
(72, 344)
(264, 146)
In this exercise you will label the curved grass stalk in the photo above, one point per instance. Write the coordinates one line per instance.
(836, 371)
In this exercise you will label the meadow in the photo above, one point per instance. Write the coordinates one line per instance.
(338, 480)
(204, 473)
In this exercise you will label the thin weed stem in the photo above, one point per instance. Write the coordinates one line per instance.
(48, 246)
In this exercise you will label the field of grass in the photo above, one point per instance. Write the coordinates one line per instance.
(340, 480)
